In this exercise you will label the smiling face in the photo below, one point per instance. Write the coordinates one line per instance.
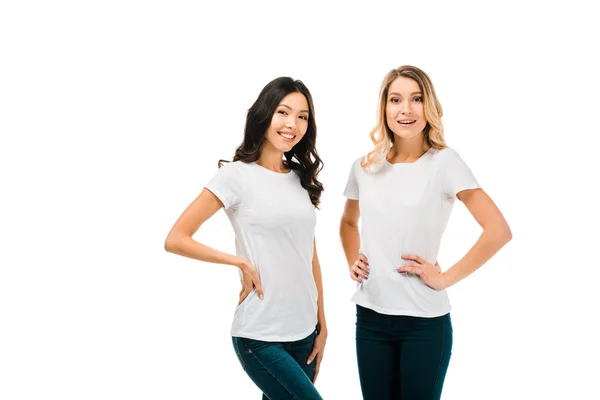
(404, 108)
(289, 123)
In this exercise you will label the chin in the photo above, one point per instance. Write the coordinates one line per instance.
(285, 149)
(404, 136)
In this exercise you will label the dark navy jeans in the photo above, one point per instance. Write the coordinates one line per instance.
(279, 368)
(402, 357)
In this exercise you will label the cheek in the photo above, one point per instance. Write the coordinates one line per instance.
(391, 111)
(304, 127)
(390, 116)
(274, 121)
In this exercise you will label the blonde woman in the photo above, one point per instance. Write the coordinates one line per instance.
(404, 191)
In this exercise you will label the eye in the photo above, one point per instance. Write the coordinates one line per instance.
(282, 112)
(419, 99)
(394, 100)
(304, 117)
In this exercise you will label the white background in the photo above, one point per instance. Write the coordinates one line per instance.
(113, 115)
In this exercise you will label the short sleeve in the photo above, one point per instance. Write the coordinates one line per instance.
(457, 175)
(351, 190)
(228, 185)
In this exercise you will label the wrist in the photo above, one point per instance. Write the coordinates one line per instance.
(446, 281)
(240, 262)
(321, 329)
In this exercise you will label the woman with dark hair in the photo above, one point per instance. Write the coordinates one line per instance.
(270, 192)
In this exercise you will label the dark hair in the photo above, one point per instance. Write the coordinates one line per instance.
(303, 157)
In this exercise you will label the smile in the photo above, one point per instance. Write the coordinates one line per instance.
(287, 136)
(407, 122)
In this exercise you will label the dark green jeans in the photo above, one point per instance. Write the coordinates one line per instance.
(279, 369)
(401, 357)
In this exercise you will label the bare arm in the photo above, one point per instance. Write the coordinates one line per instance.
(496, 233)
(319, 345)
(350, 236)
(316, 268)
(349, 231)
(179, 240)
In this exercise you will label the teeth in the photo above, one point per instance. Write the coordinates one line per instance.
(285, 135)
(406, 122)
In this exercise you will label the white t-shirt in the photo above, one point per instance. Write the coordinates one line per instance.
(404, 209)
(274, 223)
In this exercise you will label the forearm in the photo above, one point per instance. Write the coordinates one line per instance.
(350, 241)
(188, 247)
(486, 246)
(320, 301)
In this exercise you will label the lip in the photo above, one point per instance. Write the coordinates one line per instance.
(287, 133)
(412, 122)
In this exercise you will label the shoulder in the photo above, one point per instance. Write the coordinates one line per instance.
(233, 167)
(445, 155)
(355, 167)
(446, 152)
(233, 171)
(356, 163)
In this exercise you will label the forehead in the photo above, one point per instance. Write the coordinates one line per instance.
(404, 85)
(295, 101)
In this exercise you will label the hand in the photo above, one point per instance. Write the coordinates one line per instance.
(250, 281)
(360, 269)
(431, 275)
(317, 353)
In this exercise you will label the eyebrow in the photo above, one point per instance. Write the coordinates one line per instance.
(290, 108)
(398, 94)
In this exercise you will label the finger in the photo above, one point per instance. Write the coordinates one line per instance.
(354, 276)
(363, 258)
(411, 269)
(312, 356)
(258, 287)
(362, 265)
(243, 296)
(358, 271)
(413, 258)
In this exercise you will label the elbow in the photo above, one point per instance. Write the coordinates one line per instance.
(507, 235)
(502, 236)
(346, 225)
(172, 244)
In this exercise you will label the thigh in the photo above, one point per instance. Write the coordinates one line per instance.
(376, 354)
(425, 355)
(300, 350)
(274, 370)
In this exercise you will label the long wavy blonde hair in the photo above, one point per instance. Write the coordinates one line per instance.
(382, 136)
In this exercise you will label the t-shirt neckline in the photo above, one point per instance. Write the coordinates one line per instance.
(409, 163)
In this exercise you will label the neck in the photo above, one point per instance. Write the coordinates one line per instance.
(408, 150)
(272, 159)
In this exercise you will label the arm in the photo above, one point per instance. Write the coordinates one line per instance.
(179, 240)
(357, 263)
(316, 268)
(321, 338)
(496, 233)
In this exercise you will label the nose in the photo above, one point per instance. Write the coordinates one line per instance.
(406, 110)
(290, 122)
